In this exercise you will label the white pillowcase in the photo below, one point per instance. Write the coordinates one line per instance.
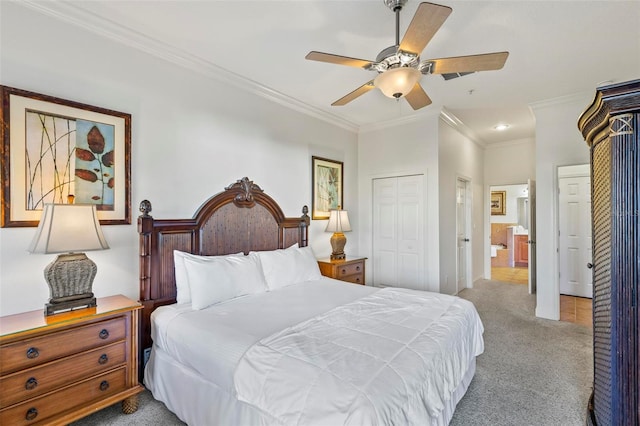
(222, 278)
(183, 289)
(288, 266)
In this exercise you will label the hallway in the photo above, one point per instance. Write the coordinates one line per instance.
(572, 309)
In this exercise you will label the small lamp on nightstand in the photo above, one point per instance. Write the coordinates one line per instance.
(69, 229)
(338, 223)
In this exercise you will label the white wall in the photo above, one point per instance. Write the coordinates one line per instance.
(459, 156)
(558, 143)
(192, 135)
(399, 151)
(510, 162)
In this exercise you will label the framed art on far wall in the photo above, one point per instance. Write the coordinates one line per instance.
(54, 148)
(498, 203)
(326, 190)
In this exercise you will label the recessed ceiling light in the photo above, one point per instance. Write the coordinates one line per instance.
(501, 127)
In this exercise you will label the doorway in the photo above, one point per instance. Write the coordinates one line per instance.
(510, 221)
(463, 230)
(575, 244)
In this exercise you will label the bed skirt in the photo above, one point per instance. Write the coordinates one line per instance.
(197, 401)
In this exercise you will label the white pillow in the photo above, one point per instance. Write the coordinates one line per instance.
(183, 290)
(288, 266)
(222, 278)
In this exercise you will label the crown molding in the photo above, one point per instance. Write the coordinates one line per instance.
(561, 100)
(73, 14)
(514, 142)
(450, 118)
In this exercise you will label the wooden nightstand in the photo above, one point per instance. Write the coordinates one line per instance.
(351, 270)
(60, 368)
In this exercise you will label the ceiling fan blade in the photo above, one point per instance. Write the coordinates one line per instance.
(337, 59)
(471, 63)
(356, 93)
(425, 23)
(418, 98)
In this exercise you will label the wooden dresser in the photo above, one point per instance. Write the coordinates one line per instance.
(350, 270)
(57, 369)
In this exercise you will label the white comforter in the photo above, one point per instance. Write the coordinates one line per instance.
(392, 357)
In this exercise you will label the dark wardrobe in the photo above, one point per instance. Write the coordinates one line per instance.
(610, 126)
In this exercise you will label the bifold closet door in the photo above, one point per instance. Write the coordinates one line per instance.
(398, 236)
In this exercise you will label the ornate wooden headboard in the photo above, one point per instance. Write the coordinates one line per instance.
(241, 218)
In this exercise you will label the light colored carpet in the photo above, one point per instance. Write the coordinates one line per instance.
(533, 371)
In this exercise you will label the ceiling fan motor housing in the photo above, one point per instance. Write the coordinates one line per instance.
(395, 5)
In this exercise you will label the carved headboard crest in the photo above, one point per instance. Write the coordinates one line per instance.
(244, 198)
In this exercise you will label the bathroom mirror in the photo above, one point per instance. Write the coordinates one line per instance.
(523, 212)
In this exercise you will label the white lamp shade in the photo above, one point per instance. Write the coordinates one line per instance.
(397, 82)
(68, 228)
(338, 221)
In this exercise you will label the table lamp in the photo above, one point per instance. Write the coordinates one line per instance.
(338, 223)
(69, 229)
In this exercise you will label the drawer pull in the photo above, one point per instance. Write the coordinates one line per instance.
(344, 271)
(32, 353)
(358, 279)
(103, 359)
(32, 413)
(358, 268)
(104, 334)
(104, 385)
(31, 383)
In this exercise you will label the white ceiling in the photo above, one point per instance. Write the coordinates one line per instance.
(557, 48)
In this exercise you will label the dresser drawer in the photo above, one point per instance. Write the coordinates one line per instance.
(356, 279)
(35, 381)
(42, 408)
(36, 351)
(350, 269)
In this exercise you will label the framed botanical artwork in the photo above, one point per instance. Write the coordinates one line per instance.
(53, 149)
(326, 187)
(498, 203)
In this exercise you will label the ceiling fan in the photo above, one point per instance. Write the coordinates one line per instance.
(399, 66)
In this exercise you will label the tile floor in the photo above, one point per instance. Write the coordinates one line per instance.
(572, 309)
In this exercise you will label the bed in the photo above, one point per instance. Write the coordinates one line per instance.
(244, 330)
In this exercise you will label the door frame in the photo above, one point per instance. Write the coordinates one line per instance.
(468, 190)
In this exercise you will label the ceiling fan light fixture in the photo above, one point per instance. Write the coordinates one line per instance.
(397, 82)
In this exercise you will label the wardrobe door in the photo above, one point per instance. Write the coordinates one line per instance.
(602, 337)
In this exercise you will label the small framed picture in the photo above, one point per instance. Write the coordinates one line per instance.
(498, 203)
(326, 187)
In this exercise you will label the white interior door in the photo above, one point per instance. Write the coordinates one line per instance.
(398, 237)
(532, 236)
(574, 216)
(462, 234)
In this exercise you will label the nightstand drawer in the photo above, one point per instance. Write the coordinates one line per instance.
(36, 351)
(40, 409)
(350, 269)
(356, 279)
(36, 381)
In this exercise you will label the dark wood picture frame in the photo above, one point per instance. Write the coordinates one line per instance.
(326, 188)
(81, 149)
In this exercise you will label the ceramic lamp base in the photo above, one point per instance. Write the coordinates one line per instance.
(338, 241)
